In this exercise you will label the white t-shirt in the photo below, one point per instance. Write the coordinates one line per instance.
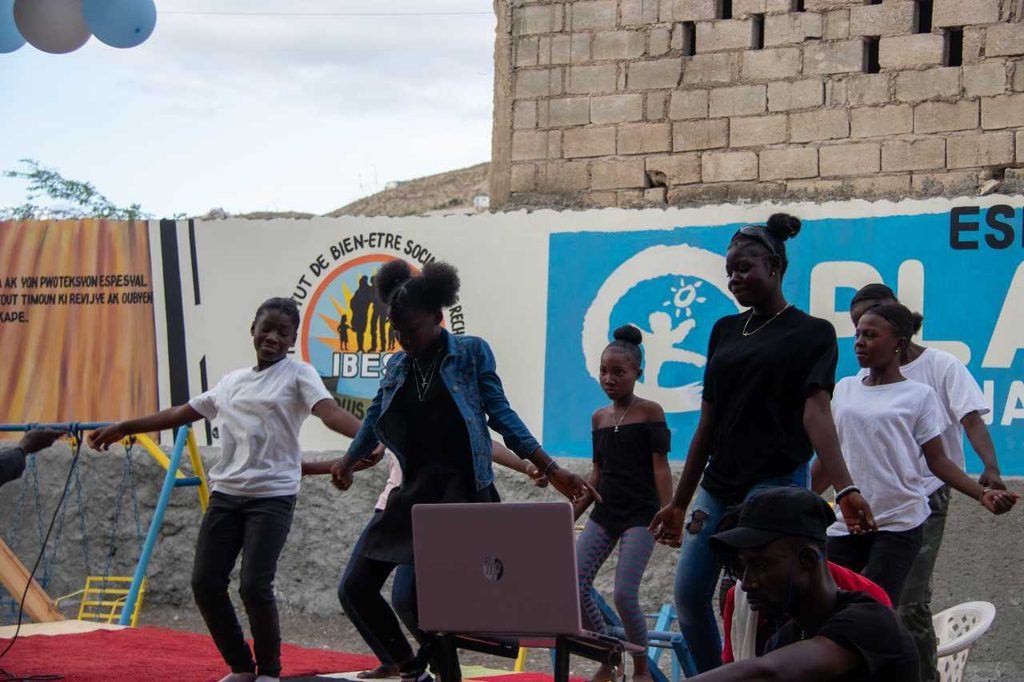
(881, 431)
(394, 480)
(958, 393)
(258, 415)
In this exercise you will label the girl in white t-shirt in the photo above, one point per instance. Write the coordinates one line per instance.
(885, 422)
(258, 411)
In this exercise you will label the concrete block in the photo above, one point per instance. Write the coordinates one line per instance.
(964, 12)
(844, 160)
(822, 5)
(744, 8)
(728, 166)
(560, 51)
(694, 135)
(911, 51)
(880, 121)
(659, 40)
(618, 45)
(914, 154)
(1020, 147)
(868, 89)
(639, 12)
(740, 100)
(916, 86)
(892, 18)
(728, 34)
(792, 28)
(1004, 39)
(758, 131)
(528, 145)
(589, 141)
(644, 138)
(585, 80)
(616, 108)
(654, 75)
(593, 14)
(524, 115)
(844, 56)
(837, 24)
(1018, 76)
(568, 111)
(524, 177)
(789, 95)
(780, 164)
(711, 69)
(694, 10)
(537, 19)
(674, 169)
(826, 124)
(687, 104)
(563, 176)
(985, 80)
(979, 149)
(535, 83)
(526, 51)
(937, 117)
(617, 174)
(962, 183)
(892, 186)
(580, 48)
(776, 64)
(974, 44)
(1004, 111)
(554, 144)
(657, 106)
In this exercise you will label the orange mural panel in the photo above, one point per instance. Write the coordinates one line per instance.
(77, 335)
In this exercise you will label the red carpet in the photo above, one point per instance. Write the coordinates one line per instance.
(154, 655)
(524, 677)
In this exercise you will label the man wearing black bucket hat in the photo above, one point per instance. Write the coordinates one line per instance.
(778, 550)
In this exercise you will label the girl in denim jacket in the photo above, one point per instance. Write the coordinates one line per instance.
(433, 409)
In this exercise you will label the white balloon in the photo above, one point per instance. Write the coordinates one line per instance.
(54, 26)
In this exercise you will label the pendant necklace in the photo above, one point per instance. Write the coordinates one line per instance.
(424, 379)
(624, 413)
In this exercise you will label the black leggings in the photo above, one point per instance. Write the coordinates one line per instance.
(884, 557)
(256, 527)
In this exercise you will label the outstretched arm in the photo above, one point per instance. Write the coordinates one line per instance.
(336, 419)
(997, 502)
(171, 418)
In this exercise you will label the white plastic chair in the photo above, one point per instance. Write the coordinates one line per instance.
(956, 629)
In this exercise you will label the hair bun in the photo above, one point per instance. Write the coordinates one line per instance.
(918, 321)
(629, 334)
(390, 276)
(783, 226)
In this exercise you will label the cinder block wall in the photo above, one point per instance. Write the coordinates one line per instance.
(653, 102)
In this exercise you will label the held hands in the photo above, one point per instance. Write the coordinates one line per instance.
(998, 501)
(102, 439)
(990, 478)
(569, 484)
(39, 439)
(341, 477)
(857, 513)
(371, 460)
(667, 526)
(536, 475)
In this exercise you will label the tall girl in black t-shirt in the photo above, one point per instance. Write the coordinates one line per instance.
(765, 411)
(631, 473)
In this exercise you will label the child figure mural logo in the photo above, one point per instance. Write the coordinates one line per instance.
(673, 294)
(346, 334)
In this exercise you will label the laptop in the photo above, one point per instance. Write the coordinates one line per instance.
(501, 569)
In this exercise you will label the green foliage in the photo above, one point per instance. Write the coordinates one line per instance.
(68, 199)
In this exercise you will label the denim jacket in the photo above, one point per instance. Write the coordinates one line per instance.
(469, 373)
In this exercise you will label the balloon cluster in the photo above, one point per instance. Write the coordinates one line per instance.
(62, 26)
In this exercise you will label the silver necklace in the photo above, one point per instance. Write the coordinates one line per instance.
(624, 413)
(423, 380)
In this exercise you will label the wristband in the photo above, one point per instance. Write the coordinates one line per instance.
(846, 491)
(551, 465)
(981, 497)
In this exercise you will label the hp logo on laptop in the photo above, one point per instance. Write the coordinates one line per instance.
(493, 569)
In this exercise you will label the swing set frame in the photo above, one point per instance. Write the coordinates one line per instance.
(100, 601)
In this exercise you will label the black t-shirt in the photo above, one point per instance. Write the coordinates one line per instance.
(758, 385)
(627, 474)
(869, 629)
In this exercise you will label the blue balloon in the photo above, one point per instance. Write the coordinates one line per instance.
(10, 38)
(120, 23)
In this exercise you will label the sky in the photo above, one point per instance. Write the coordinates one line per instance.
(304, 110)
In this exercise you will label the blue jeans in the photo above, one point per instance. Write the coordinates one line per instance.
(403, 601)
(698, 570)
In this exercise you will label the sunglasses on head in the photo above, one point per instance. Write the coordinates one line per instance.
(759, 234)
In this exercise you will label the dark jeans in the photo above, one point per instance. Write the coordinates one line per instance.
(915, 601)
(884, 557)
(363, 602)
(403, 599)
(257, 528)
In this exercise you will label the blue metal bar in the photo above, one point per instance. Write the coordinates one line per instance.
(189, 481)
(72, 427)
(154, 526)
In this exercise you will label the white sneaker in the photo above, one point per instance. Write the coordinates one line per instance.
(267, 678)
(239, 677)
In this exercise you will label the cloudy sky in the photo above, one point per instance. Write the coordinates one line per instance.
(305, 109)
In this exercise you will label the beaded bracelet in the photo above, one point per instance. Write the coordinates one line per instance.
(846, 491)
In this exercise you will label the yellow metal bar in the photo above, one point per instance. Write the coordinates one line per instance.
(156, 453)
(520, 660)
(197, 469)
